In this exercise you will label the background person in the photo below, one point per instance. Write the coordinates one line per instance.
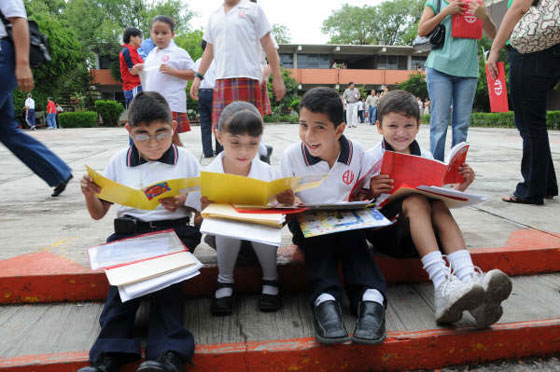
(30, 111)
(371, 104)
(128, 57)
(451, 72)
(351, 96)
(15, 72)
(51, 114)
(531, 77)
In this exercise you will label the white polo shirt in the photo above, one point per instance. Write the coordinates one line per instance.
(235, 37)
(209, 77)
(30, 103)
(297, 161)
(128, 168)
(11, 9)
(171, 87)
(259, 170)
(373, 159)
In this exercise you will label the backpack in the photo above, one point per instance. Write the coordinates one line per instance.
(38, 43)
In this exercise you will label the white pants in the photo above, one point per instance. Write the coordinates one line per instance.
(352, 114)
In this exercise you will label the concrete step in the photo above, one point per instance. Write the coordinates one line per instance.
(47, 276)
(57, 337)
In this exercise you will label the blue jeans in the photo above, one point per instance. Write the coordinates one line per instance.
(30, 118)
(205, 109)
(130, 94)
(446, 90)
(531, 77)
(372, 114)
(31, 152)
(51, 120)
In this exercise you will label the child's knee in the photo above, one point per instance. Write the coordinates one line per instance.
(439, 208)
(415, 203)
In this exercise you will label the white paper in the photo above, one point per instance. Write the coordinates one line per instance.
(140, 271)
(244, 231)
(452, 198)
(134, 249)
(139, 289)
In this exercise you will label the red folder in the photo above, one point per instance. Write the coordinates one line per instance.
(497, 91)
(466, 25)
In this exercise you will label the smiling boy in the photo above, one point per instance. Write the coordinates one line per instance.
(150, 159)
(423, 224)
(324, 149)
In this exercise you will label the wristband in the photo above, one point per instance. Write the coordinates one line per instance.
(199, 75)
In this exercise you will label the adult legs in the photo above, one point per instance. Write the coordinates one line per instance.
(532, 76)
(33, 153)
(352, 114)
(440, 89)
(464, 90)
(205, 110)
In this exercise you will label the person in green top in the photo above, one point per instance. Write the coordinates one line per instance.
(452, 71)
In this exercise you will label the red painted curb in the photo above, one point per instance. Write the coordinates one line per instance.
(47, 277)
(427, 349)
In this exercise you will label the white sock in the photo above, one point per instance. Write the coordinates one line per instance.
(224, 292)
(462, 264)
(322, 298)
(373, 295)
(270, 290)
(227, 250)
(435, 267)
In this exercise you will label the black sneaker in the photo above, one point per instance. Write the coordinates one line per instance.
(170, 361)
(329, 327)
(224, 305)
(61, 187)
(104, 363)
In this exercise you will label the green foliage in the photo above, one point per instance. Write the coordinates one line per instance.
(190, 41)
(81, 119)
(277, 118)
(110, 111)
(281, 33)
(503, 119)
(284, 106)
(392, 22)
(416, 84)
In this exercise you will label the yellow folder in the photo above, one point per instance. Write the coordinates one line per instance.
(145, 198)
(227, 212)
(223, 188)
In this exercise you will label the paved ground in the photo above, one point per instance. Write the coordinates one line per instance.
(31, 220)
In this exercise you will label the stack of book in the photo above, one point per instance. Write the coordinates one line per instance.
(144, 264)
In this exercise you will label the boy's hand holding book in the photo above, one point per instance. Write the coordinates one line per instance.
(89, 188)
(174, 202)
(468, 175)
(381, 184)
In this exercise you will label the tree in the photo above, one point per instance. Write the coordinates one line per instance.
(286, 104)
(281, 34)
(416, 84)
(389, 23)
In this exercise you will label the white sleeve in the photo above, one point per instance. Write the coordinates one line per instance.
(262, 26)
(13, 9)
(208, 32)
(111, 170)
(186, 61)
(286, 169)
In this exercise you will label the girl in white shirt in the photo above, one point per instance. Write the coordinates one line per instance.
(166, 71)
(239, 131)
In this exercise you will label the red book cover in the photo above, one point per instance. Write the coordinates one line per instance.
(466, 25)
(413, 171)
(497, 91)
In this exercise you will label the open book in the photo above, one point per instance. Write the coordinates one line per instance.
(144, 264)
(145, 198)
(228, 212)
(314, 223)
(226, 188)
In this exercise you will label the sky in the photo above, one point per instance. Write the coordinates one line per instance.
(303, 18)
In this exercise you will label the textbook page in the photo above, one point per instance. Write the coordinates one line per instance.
(149, 268)
(146, 198)
(315, 223)
(226, 188)
(134, 249)
(241, 230)
(452, 198)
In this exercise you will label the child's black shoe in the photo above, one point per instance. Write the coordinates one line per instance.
(224, 305)
(268, 302)
(169, 361)
(104, 363)
(370, 326)
(329, 327)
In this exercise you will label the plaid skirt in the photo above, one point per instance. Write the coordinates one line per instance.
(227, 91)
(183, 124)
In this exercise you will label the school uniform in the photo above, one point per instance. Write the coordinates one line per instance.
(165, 327)
(235, 37)
(322, 253)
(128, 57)
(170, 87)
(394, 240)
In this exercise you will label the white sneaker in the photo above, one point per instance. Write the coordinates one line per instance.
(454, 296)
(497, 287)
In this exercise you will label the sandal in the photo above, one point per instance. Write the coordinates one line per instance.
(515, 199)
(269, 303)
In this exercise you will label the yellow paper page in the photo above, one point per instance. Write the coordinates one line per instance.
(226, 211)
(146, 198)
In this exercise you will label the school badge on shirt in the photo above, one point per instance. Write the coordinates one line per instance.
(348, 177)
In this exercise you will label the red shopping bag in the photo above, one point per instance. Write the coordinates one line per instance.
(497, 91)
(466, 25)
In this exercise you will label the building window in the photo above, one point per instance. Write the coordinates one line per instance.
(391, 62)
(418, 62)
(287, 60)
(313, 61)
